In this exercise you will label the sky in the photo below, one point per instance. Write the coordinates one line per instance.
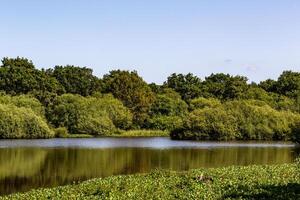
(258, 38)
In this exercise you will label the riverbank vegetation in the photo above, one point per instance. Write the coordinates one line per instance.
(67, 101)
(144, 133)
(251, 182)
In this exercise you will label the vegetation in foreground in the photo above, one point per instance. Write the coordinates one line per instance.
(69, 101)
(251, 182)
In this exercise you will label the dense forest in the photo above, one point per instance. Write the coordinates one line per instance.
(66, 100)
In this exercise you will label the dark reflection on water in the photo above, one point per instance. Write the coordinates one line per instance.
(23, 168)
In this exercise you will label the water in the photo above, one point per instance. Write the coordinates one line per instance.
(27, 164)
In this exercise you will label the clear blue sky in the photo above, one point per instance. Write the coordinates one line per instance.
(255, 38)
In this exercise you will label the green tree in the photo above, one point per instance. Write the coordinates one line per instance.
(167, 111)
(132, 90)
(76, 80)
(89, 115)
(224, 86)
(288, 84)
(201, 102)
(19, 76)
(268, 85)
(238, 119)
(78, 115)
(169, 103)
(21, 122)
(25, 101)
(188, 86)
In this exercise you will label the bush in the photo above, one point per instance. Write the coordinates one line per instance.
(165, 122)
(89, 115)
(242, 120)
(24, 101)
(167, 112)
(22, 123)
(201, 102)
(169, 103)
(118, 113)
(61, 132)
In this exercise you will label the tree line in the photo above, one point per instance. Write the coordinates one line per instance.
(69, 99)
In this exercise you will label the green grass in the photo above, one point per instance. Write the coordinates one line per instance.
(144, 133)
(76, 136)
(251, 182)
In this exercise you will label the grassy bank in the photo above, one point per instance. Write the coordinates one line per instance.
(252, 182)
(144, 133)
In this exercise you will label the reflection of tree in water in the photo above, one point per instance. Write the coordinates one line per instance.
(58, 167)
(22, 169)
(21, 162)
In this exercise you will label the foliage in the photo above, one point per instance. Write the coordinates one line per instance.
(247, 120)
(90, 115)
(76, 80)
(163, 122)
(22, 122)
(288, 84)
(167, 111)
(268, 85)
(168, 103)
(269, 182)
(143, 133)
(202, 102)
(188, 86)
(132, 90)
(24, 101)
(118, 113)
(178, 103)
(224, 86)
(61, 132)
(19, 76)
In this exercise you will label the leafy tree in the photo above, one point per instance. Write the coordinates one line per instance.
(156, 88)
(21, 122)
(89, 115)
(169, 103)
(17, 62)
(201, 102)
(19, 76)
(165, 122)
(118, 113)
(188, 86)
(167, 111)
(25, 101)
(288, 84)
(76, 80)
(242, 120)
(268, 85)
(78, 115)
(132, 90)
(224, 86)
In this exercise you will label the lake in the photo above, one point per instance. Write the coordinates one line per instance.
(27, 164)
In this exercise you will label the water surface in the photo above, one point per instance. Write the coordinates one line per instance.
(27, 164)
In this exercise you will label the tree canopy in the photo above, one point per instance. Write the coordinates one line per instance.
(72, 99)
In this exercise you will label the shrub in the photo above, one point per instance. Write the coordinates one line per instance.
(162, 122)
(168, 111)
(118, 113)
(22, 123)
(23, 101)
(238, 120)
(169, 103)
(201, 102)
(89, 115)
(61, 132)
